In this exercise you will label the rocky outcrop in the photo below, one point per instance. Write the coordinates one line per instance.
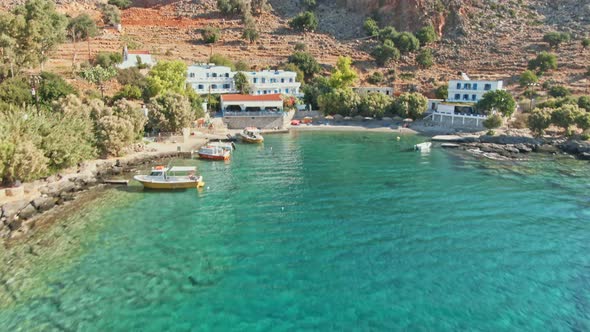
(575, 147)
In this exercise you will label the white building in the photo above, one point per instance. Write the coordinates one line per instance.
(210, 78)
(469, 91)
(132, 58)
(236, 104)
(272, 82)
(363, 90)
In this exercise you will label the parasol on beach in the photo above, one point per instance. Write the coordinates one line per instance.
(408, 120)
(329, 117)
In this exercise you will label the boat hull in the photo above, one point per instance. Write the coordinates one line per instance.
(170, 185)
(213, 157)
(251, 140)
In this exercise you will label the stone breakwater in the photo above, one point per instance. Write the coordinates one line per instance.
(19, 217)
(506, 147)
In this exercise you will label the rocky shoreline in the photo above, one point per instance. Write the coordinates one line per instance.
(18, 217)
(505, 147)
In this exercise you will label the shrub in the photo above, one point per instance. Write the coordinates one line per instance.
(305, 21)
(310, 4)
(131, 76)
(556, 38)
(241, 65)
(250, 33)
(113, 134)
(306, 62)
(130, 92)
(221, 60)
(425, 58)
(122, 4)
(230, 7)
(406, 42)
(371, 27)
(527, 78)
(565, 116)
(339, 101)
(426, 34)
(16, 91)
(111, 14)
(300, 47)
(385, 53)
(558, 91)
(411, 105)
(539, 120)
(375, 104)
(52, 87)
(210, 34)
(500, 100)
(585, 43)
(108, 59)
(388, 33)
(583, 120)
(584, 102)
(316, 88)
(376, 78)
(493, 121)
(442, 92)
(169, 113)
(543, 62)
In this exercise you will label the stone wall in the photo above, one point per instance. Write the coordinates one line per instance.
(457, 122)
(261, 122)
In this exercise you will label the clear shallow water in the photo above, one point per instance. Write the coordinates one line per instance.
(332, 231)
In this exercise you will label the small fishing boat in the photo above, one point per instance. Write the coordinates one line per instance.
(212, 152)
(229, 146)
(176, 177)
(251, 135)
(423, 146)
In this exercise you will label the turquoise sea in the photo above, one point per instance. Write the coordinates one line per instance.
(331, 232)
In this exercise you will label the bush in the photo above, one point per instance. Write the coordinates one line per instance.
(584, 102)
(442, 92)
(385, 53)
(527, 78)
(52, 87)
(376, 78)
(122, 4)
(388, 33)
(375, 104)
(539, 120)
(250, 33)
(543, 62)
(556, 38)
(585, 43)
(406, 42)
(316, 88)
(565, 116)
(426, 34)
(411, 105)
(425, 58)
(221, 60)
(583, 120)
(169, 113)
(111, 14)
(230, 7)
(129, 92)
(371, 27)
(339, 101)
(310, 4)
(113, 135)
(305, 21)
(241, 65)
(306, 62)
(300, 47)
(558, 91)
(16, 91)
(493, 121)
(500, 100)
(210, 34)
(106, 59)
(131, 76)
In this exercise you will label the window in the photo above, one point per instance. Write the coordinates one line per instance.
(290, 80)
(465, 97)
(387, 92)
(286, 90)
(214, 75)
(473, 97)
(276, 91)
(457, 96)
(263, 80)
(255, 80)
(191, 75)
(226, 86)
(226, 74)
(458, 86)
(467, 86)
(213, 86)
(201, 87)
(282, 80)
(487, 87)
(265, 92)
(474, 86)
(207, 74)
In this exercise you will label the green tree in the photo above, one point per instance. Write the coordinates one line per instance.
(258, 6)
(131, 112)
(425, 58)
(426, 34)
(554, 39)
(585, 43)
(385, 53)
(565, 116)
(232, 7)
(221, 60)
(499, 100)
(543, 62)
(343, 76)
(78, 28)
(170, 112)
(250, 33)
(527, 78)
(493, 121)
(16, 91)
(371, 27)
(442, 92)
(98, 76)
(411, 105)
(388, 33)
(129, 92)
(310, 4)
(167, 76)
(539, 120)
(241, 82)
(375, 104)
(583, 120)
(584, 102)
(108, 59)
(339, 101)
(121, 4)
(317, 87)
(305, 21)
(113, 135)
(210, 34)
(52, 87)
(376, 78)
(406, 42)
(110, 14)
(306, 62)
(132, 76)
(558, 91)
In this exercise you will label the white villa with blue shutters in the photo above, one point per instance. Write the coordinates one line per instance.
(468, 91)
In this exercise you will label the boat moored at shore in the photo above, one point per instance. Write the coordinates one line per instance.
(176, 177)
(251, 135)
(213, 152)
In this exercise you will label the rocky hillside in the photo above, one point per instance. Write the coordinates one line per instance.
(485, 38)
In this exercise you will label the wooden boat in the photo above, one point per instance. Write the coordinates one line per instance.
(212, 152)
(251, 135)
(229, 146)
(176, 177)
(423, 146)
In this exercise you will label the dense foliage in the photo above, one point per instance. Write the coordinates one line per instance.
(375, 104)
(426, 34)
(527, 78)
(425, 58)
(306, 62)
(543, 63)
(385, 53)
(210, 34)
(306, 21)
(554, 39)
(410, 105)
(221, 60)
(343, 76)
(493, 121)
(170, 112)
(499, 100)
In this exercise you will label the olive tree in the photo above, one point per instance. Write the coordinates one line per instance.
(339, 101)
(375, 104)
(170, 112)
(565, 116)
(499, 100)
(539, 120)
(411, 105)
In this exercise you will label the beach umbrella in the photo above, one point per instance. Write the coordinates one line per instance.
(329, 117)
(367, 118)
(408, 120)
(347, 118)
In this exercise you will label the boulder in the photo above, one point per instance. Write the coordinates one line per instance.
(584, 156)
(28, 212)
(67, 196)
(504, 139)
(15, 224)
(44, 203)
(523, 148)
(9, 210)
(575, 147)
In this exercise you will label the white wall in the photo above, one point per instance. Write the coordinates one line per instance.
(208, 78)
(244, 104)
(469, 91)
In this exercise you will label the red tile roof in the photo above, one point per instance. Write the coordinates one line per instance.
(237, 97)
(138, 52)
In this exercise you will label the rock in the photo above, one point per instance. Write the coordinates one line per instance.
(584, 156)
(67, 196)
(575, 147)
(44, 203)
(504, 139)
(15, 224)
(523, 148)
(28, 212)
(9, 210)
